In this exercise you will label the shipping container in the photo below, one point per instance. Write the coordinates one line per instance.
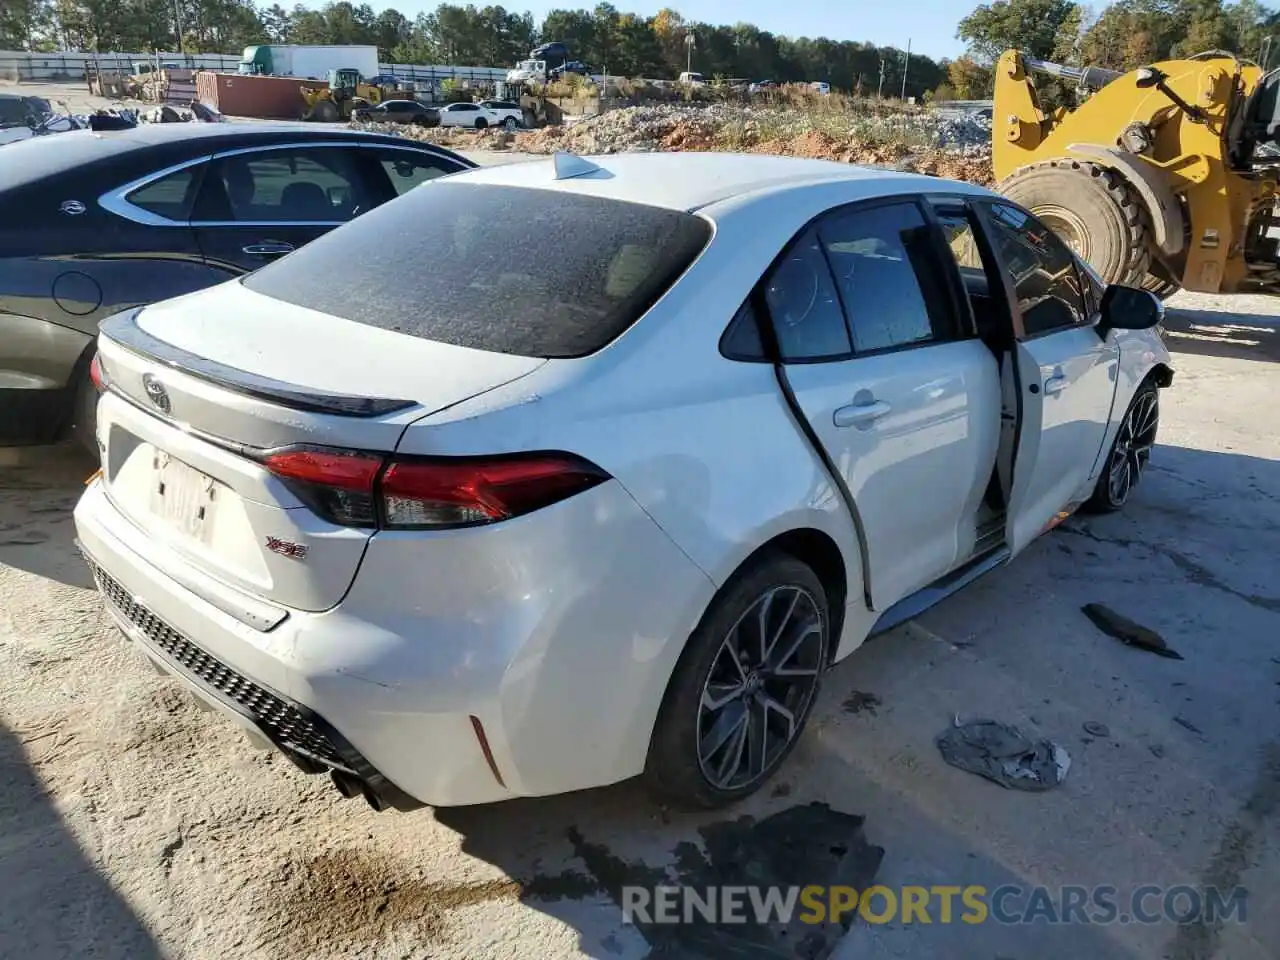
(267, 98)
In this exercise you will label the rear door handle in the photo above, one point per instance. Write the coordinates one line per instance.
(856, 413)
(272, 248)
(1055, 384)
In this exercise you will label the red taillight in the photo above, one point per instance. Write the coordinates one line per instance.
(95, 373)
(353, 488)
(336, 484)
(450, 493)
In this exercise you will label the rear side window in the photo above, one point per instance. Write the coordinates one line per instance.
(804, 305)
(169, 197)
(890, 281)
(538, 273)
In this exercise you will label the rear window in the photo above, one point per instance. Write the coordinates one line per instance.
(537, 273)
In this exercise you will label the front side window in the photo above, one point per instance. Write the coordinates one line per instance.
(1043, 270)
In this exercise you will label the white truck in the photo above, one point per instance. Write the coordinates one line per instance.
(311, 62)
(528, 71)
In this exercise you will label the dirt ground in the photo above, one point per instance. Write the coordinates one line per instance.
(134, 825)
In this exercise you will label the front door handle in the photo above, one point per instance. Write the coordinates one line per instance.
(271, 248)
(1055, 384)
(859, 413)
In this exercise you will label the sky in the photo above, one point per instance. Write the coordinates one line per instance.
(929, 24)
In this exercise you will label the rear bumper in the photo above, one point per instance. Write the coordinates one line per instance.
(561, 659)
(296, 731)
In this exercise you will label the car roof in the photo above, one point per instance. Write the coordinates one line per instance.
(689, 181)
(38, 158)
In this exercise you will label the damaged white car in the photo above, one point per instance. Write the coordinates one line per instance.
(518, 525)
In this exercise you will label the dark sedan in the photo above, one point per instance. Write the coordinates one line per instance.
(400, 111)
(99, 222)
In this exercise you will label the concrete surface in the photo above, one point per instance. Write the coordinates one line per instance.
(133, 825)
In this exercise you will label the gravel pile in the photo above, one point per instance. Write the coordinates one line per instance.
(956, 146)
(649, 127)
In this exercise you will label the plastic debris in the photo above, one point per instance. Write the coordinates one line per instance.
(1002, 753)
(1184, 722)
(1127, 631)
(1096, 729)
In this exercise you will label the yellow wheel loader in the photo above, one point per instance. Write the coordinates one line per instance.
(346, 92)
(1164, 176)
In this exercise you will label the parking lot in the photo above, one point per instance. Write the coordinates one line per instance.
(132, 824)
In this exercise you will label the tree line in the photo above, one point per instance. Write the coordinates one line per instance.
(605, 38)
(1127, 34)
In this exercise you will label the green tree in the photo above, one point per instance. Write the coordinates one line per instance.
(1031, 26)
(969, 79)
(25, 24)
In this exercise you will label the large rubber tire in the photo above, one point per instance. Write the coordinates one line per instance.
(481, 123)
(673, 772)
(326, 111)
(1093, 210)
(511, 124)
(1159, 285)
(1144, 414)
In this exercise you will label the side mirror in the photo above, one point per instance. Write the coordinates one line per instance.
(1129, 308)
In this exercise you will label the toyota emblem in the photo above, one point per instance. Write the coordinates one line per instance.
(156, 392)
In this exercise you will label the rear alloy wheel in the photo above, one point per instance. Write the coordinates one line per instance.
(511, 124)
(1130, 453)
(744, 687)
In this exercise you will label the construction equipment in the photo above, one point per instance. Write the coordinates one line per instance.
(1164, 176)
(347, 91)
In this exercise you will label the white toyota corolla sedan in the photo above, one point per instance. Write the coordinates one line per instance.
(498, 518)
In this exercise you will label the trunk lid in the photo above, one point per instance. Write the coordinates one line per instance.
(200, 386)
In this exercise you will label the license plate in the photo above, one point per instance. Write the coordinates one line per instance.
(183, 496)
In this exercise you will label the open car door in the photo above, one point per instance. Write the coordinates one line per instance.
(1058, 377)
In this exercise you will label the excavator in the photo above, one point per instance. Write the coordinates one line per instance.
(1163, 177)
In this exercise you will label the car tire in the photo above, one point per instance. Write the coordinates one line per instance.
(702, 721)
(84, 417)
(1129, 453)
(511, 124)
(481, 123)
